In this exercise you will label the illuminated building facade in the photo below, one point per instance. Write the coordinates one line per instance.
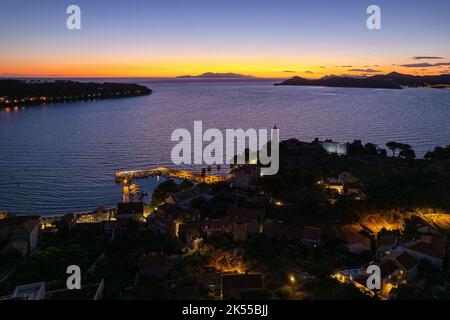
(335, 147)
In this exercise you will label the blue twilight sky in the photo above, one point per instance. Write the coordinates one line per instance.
(266, 38)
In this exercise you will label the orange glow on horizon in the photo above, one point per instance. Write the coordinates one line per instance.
(166, 68)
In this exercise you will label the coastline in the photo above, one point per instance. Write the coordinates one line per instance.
(19, 93)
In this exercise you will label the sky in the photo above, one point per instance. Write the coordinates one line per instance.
(166, 38)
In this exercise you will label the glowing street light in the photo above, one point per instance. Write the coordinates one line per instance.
(292, 279)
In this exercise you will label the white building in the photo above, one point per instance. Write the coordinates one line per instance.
(335, 147)
(22, 233)
(33, 291)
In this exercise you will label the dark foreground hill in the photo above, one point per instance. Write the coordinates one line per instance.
(16, 93)
(392, 80)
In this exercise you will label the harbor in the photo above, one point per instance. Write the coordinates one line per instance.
(130, 175)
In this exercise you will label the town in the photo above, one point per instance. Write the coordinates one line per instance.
(309, 232)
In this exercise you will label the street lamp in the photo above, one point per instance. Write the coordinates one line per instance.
(292, 279)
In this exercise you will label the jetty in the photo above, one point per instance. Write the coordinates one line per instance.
(129, 175)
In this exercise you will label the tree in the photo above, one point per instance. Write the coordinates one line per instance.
(407, 153)
(439, 153)
(405, 292)
(403, 146)
(162, 191)
(405, 150)
(438, 292)
(371, 148)
(393, 146)
(186, 184)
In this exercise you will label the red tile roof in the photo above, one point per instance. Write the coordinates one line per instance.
(387, 268)
(402, 259)
(361, 239)
(388, 240)
(278, 230)
(232, 284)
(406, 261)
(433, 246)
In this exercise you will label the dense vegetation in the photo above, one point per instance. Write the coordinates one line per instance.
(80, 247)
(20, 93)
(392, 179)
(167, 188)
(439, 153)
(393, 80)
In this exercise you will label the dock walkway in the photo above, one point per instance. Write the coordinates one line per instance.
(129, 175)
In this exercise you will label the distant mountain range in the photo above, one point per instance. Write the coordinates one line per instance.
(393, 80)
(211, 75)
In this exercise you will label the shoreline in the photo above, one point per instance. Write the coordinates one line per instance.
(16, 94)
(56, 101)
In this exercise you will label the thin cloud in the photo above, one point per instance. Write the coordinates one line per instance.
(346, 66)
(417, 65)
(346, 75)
(309, 72)
(322, 67)
(364, 70)
(288, 71)
(427, 58)
(425, 65)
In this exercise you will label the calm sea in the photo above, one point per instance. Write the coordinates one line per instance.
(61, 158)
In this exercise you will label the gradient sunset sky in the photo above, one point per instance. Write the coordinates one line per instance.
(282, 38)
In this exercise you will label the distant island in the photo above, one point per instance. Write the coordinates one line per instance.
(393, 80)
(212, 75)
(17, 93)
